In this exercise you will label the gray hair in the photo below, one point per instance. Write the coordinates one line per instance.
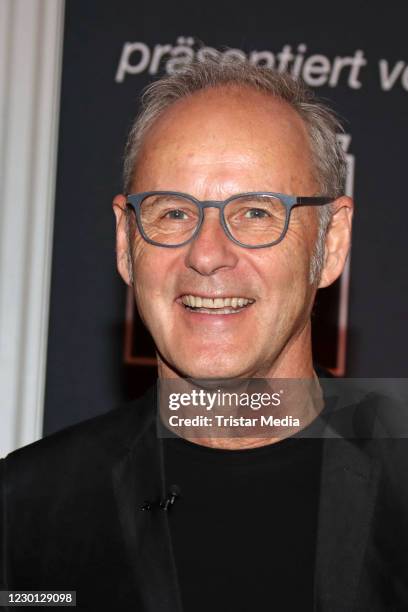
(321, 123)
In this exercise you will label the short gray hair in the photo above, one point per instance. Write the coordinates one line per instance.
(321, 122)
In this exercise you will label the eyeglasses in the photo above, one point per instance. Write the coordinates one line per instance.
(253, 220)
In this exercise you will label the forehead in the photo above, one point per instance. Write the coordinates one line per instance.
(226, 131)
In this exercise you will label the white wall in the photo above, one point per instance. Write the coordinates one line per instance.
(31, 33)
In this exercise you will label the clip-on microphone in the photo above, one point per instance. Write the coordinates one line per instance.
(166, 504)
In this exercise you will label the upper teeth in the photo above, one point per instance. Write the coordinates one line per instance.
(199, 302)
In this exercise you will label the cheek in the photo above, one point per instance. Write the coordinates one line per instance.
(299, 244)
(303, 229)
(149, 274)
(154, 276)
(284, 271)
(286, 265)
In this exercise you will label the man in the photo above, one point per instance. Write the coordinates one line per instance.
(234, 216)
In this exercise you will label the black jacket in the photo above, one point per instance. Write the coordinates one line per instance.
(71, 518)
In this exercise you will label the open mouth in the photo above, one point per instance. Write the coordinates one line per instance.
(215, 306)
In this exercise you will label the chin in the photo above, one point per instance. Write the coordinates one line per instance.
(214, 368)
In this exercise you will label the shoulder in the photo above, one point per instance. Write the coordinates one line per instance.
(82, 448)
(376, 429)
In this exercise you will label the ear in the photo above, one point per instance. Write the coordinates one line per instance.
(338, 241)
(123, 261)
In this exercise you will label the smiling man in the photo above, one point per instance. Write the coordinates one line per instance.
(234, 214)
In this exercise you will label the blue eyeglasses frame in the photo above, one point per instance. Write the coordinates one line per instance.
(134, 200)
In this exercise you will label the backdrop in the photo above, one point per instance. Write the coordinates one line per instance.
(98, 352)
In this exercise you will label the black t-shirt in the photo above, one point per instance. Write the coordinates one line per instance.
(244, 528)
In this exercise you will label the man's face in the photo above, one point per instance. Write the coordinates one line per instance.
(212, 145)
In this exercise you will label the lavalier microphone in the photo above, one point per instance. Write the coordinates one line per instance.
(165, 504)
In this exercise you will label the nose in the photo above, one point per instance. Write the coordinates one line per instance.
(211, 250)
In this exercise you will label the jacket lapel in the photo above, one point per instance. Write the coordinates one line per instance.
(349, 485)
(138, 476)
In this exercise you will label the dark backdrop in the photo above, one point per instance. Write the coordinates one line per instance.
(95, 358)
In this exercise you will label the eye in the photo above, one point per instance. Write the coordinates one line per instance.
(256, 213)
(175, 214)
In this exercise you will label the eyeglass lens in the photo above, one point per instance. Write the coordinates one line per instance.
(251, 220)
